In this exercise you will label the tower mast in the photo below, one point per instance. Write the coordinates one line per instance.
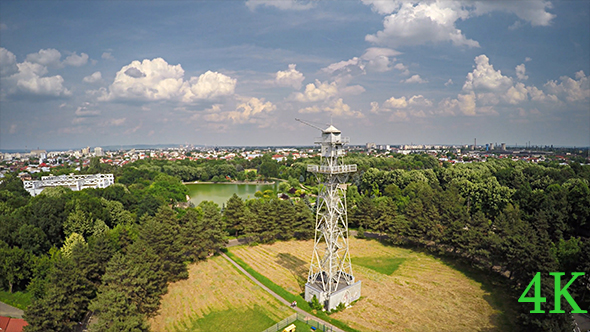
(330, 276)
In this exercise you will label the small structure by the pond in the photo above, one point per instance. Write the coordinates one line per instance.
(330, 277)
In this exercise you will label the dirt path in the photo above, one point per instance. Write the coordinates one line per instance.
(334, 328)
(10, 311)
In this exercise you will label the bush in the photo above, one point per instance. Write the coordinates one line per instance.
(360, 234)
(315, 304)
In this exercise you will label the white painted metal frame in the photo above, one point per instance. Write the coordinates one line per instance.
(330, 262)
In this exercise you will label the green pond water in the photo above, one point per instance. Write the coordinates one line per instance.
(220, 193)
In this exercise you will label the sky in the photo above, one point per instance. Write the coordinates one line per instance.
(105, 73)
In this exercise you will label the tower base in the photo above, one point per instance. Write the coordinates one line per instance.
(344, 295)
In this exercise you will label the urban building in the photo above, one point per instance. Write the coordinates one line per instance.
(74, 182)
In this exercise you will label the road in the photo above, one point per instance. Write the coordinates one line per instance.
(10, 311)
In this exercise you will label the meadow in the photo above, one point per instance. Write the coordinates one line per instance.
(216, 297)
(402, 290)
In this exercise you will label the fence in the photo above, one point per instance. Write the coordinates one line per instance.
(302, 318)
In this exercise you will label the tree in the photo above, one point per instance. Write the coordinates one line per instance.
(161, 233)
(235, 213)
(65, 302)
(15, 265)
(269, 169)
(202, 235)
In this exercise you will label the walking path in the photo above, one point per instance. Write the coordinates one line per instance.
(10, 311)
(301, 311)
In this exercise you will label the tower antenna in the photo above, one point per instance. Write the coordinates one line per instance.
(330, 277)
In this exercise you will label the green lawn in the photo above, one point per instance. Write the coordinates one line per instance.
(383, 264)
(252, 319)
(20, 300)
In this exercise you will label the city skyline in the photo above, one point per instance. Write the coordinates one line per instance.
(237, 73)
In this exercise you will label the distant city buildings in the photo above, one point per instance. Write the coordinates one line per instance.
(98, 151)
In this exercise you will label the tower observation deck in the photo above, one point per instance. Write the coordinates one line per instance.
(330, 276)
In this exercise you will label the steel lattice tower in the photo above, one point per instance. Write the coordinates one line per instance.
(330, 276)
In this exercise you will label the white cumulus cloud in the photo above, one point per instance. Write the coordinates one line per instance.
(47, 57)
(415, 79)
(521, 72)
(316, 92)
(574, 90)
(76, 60)
(336, 108)
(210, 85)
(420, 23)
(282, 4)
(151, 80)
(95, 77)
(7, 62)
(290, 77)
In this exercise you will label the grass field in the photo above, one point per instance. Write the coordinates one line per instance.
(216, 297)
(402, 290)
(19, 300)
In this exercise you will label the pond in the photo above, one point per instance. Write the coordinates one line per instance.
(221, 192)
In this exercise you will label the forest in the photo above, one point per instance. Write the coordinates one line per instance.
(113, 251)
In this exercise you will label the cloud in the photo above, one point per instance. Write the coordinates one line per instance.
(574, 90)
(115, 122)
(485, 78)
(527, 59)
(336, 108)
(210, 85)
(161, 81)
(378, 59)
(83, 111)
(107, 56)
(413, 104)
(344, 66)
(402, 68)
(449, 82)
(12, 129)
(249, 110)
(520, 72)
(282, 4)
(516, 94)
(47, 57)
(95, 77)
(534, 12)
(289, 77)
(152, 80)
(464, 104)
(415, 79)
(134, 72)
(7, 62)
(29, 80)
(316, 92)
(76, 60)
(421, 23)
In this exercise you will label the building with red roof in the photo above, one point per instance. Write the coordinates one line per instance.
(8, 324)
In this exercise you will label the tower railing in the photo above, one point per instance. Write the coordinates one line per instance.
(331, 139)
(340, 169)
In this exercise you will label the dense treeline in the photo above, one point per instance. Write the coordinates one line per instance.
(112, 251)
(513, 218)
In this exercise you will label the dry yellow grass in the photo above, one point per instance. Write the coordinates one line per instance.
(213, 286)
(424, 294)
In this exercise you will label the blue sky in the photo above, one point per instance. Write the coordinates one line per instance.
(96, 73)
